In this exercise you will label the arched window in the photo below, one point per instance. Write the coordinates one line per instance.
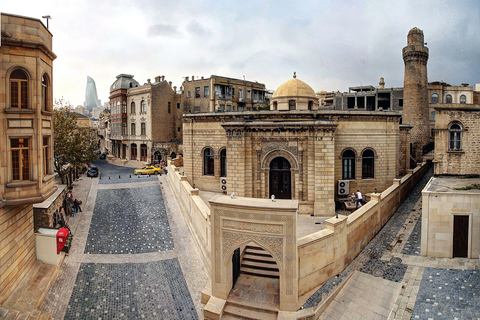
(132, 107)
(432, 116)
(143, 106)
(455, 137)
(19, 89)
(44, 93)
(124, 129)
(124, 107)
(208, 162)
(368, 162)
(434, 98)
(143, 128)
(223, 163)
(117, 110)
(463, 99)
(275, 105)
(310, 105)
(448, 99)
(292, 105)
(132, 129)
(348, 165)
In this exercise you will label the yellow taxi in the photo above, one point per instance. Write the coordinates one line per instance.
(148, 170)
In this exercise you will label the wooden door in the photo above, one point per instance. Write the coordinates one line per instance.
(460, 236)
(280, 178)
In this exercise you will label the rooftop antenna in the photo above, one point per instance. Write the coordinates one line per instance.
(47, 17)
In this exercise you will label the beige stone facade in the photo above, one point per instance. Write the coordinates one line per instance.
(26, 131)
(313, 146)
(451, 218)
(457, 139)
(221, 94)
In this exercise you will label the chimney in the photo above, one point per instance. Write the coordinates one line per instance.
(186, 78)
(170, 83)
(148, 81)
(382, 83)
(163, 78)
(193, 78)
(157, 79)
(175, 89)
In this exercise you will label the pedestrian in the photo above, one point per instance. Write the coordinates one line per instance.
(76, 206)
(359, 199)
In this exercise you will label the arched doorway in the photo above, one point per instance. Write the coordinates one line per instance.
(280, 180)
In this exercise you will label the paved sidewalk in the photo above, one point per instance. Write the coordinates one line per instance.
(159, 274)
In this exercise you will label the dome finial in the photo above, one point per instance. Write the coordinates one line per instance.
(294, 74)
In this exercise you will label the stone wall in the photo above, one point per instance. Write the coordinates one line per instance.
(323, 254)
(327, 252)
(17, 246)
(467, 160)
(43, 212)
(194, 209)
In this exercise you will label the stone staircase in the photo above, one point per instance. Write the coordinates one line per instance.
(258, 262)
(249, 310)
(25, 300)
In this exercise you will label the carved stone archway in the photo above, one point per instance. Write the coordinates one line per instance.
(271, 225)
(265, 169)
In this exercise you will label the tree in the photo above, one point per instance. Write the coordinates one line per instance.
(73, 146)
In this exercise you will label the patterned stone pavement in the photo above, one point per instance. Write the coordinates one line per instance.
(132, 256)
(430, 288)
(126, 222)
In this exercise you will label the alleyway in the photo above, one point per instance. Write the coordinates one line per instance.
(390, 280)
(132, 256)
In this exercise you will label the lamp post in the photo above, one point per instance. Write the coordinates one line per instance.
(47, 17)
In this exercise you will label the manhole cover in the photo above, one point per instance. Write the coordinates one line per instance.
(396, 260)
(378, 272)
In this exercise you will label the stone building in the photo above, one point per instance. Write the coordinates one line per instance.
(118, 113)
(222, 94)
(295, 153)
(26, 131)
(154, 121)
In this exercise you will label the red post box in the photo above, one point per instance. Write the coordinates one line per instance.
(62, 236)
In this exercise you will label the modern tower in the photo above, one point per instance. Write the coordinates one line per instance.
(415, 91)
(91, 99)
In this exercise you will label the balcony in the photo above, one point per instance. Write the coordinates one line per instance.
(223, 96)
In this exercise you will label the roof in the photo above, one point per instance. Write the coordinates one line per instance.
(124, 81)
(294, 88)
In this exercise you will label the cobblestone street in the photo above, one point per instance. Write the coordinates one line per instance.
(132, 256)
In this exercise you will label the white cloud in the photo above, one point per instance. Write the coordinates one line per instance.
(330, 44)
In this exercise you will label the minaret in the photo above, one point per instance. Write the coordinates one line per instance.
(415, 91)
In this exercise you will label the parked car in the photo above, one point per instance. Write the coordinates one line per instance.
(92, 172)
(148, 170)
(103, 156)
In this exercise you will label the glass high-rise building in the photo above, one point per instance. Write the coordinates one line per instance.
(91, 98)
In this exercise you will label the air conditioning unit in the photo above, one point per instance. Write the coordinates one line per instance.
(223, 184)
(343, 187)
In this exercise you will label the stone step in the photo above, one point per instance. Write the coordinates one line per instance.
(242, 313)
(254, 257)
(253, 305)
(257, 252)
(260, 272)
(260, 265)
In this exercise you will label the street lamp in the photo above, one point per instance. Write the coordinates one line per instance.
(47, 17)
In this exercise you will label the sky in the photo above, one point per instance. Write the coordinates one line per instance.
(331, 45)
